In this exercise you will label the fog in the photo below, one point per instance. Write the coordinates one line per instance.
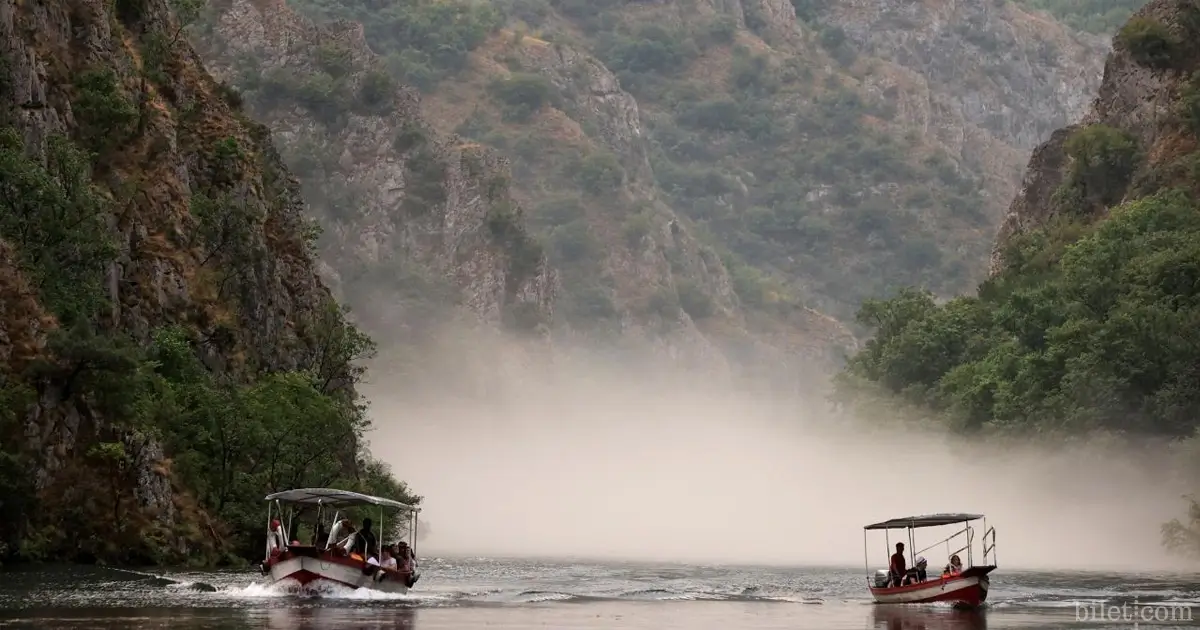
(583, 456)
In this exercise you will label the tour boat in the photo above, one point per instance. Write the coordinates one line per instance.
(966, 585)
(289, 562)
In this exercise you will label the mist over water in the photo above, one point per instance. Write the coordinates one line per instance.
(581, 455)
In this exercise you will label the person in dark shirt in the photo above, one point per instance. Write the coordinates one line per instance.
(320, 536)
(918, 573)
(365, 543)
(898, 567)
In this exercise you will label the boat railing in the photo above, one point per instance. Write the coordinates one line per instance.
(989, 548)
(968, 531)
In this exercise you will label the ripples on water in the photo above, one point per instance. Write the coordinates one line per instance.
(470, 593)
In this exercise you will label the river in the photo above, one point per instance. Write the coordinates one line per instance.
(468, 593)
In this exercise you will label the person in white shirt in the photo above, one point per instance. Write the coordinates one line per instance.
(388, 562)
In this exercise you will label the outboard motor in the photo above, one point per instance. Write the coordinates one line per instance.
(882, 577)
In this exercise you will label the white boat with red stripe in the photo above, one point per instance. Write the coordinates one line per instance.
(329, 559)
(957, 584)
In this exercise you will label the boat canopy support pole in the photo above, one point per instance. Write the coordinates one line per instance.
(290, 534)
(267, 546)
(912, 548)
(318, 544)
(866, 559)
(887, 548)
(412, 543)
(970, 546)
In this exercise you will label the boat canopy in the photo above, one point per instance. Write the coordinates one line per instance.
(928, 520)
(336, 498)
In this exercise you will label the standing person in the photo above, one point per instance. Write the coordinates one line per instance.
(365, 543)
(898, 568)
(341, 546)
(320, 536)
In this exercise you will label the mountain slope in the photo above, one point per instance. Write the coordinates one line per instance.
(821, 173)
(168, 351)
(725, 181)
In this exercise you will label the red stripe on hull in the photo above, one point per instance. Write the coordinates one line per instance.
(968, 588)
(970, 596)
(304, 578)
(964, 591)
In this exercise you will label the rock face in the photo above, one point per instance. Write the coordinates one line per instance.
(1033, 206)
(1147, 100)
(411, 216)
(593, 94)
(985, 68)
(116, 79)
(981, 82)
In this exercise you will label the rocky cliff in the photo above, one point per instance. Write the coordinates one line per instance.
(416, 223)
(829, 152)
(1138, 137)
(161, 303)
(982, 68)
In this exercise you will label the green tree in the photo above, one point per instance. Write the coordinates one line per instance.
(522, 95)
(106, 117)
(1149, 42)
(1102, 161)
(57, 221)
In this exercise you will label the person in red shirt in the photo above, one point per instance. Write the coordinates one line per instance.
(897, 567)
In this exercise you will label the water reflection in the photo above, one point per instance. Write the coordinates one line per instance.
(901, 617)
(323, 618)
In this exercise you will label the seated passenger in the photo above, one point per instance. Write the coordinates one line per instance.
(405, 557)
(954, 568)
(918, 573)
(389, 561)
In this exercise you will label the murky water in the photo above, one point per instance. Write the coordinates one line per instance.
(497, 593)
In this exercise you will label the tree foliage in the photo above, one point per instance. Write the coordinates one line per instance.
(229, 437)
(56, 220)
(1149, 42)
(424, 40)
(1103, 159)
(1097, 337)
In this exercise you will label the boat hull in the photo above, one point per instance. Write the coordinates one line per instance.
(310, 571)
(967, 589)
